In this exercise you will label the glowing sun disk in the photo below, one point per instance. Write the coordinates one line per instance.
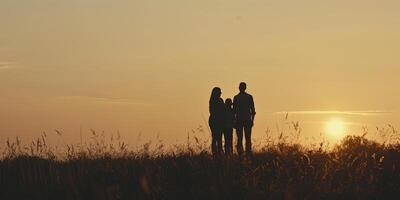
(335, 128)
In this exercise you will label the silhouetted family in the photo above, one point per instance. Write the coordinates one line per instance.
(228, 115)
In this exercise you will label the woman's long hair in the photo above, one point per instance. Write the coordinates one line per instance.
(215, 94)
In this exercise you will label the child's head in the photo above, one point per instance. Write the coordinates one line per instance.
(228, 102)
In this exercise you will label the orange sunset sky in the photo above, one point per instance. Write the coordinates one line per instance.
(148, 66)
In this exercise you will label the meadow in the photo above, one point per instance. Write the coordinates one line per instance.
(281, 168)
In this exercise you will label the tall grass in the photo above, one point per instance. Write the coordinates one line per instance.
(281, 168)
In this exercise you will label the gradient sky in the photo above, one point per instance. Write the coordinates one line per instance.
(148, 67)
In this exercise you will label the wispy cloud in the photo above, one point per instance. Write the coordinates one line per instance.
(4, 67)
(351, 123)
(336, 112)
(7, 65)
(107, 100)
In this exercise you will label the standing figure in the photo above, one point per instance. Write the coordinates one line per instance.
(243, 106)
(228, 127)
(216, 120)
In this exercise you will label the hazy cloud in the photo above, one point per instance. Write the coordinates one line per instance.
(330, 112)
(319, 123)
(4, 67)
(107, 100)
(7, 65)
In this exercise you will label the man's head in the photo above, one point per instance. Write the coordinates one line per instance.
(242, 87)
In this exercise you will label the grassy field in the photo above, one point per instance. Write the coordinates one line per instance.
(358, 168)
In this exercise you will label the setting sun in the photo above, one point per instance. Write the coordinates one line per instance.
(335, 128)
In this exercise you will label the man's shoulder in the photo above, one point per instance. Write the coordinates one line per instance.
(247, 95)
(242, 95)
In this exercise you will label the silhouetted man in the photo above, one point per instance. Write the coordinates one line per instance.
(243, 106)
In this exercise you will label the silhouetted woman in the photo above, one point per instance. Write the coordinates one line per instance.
(216, 120)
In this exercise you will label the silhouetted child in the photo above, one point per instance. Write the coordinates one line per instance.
(228, 126)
